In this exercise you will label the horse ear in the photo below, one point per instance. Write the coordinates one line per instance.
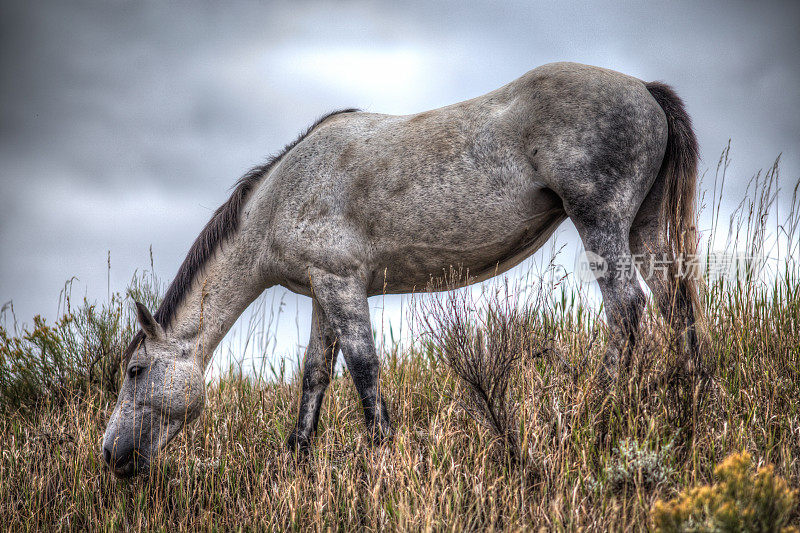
(149, 325)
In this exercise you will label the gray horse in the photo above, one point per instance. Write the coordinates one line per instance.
(364, 204)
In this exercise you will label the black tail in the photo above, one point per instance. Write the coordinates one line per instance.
(679, 172)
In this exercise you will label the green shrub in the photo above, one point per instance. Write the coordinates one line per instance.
(81, 350)
(741, 500)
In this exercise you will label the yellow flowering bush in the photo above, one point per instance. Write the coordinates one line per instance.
(741, 500)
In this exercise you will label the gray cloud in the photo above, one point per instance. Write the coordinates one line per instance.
(123, 124)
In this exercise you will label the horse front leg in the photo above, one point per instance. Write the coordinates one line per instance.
(343, 299)
(318, 364)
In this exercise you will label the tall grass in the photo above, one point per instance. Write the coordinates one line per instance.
(499, 424)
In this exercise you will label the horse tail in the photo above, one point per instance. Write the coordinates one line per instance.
(679, 174)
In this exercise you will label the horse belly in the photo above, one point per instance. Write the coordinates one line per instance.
(478, 243)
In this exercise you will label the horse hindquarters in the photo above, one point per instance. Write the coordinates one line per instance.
(603, 180)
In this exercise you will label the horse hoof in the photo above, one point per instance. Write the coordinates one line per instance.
(380, 435)
(298, 443)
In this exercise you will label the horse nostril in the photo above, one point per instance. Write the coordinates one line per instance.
(121, 462)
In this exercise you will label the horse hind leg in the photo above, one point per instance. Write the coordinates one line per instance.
(623, 298)
(603, 206)
(657, 264)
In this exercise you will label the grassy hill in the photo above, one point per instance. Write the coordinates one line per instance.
(526, 441)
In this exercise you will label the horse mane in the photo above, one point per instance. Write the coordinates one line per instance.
(224, 222)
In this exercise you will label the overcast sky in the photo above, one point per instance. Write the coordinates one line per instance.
(123, 124)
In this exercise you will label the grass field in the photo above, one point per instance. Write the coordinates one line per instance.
(540, 447)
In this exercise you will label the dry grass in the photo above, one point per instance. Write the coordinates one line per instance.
(558, 455)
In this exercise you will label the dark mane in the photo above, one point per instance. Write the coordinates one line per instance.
(224, 222)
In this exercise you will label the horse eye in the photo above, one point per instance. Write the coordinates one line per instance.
(135, 371)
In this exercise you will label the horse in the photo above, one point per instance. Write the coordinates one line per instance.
(363, 204)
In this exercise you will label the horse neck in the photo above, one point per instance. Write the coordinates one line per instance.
(226, 285)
